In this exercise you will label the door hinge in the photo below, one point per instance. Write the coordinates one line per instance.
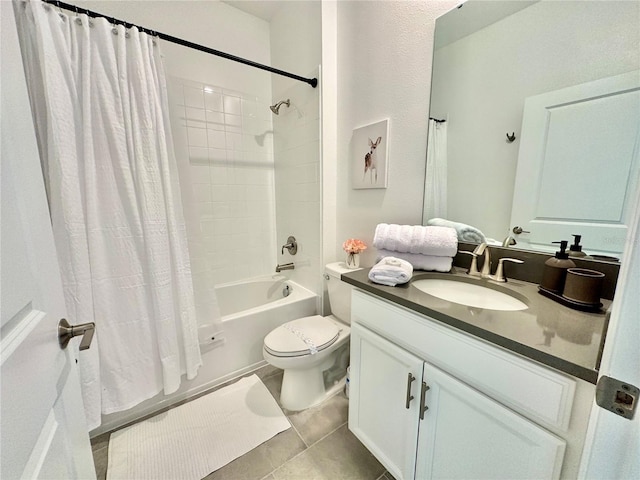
(617, 396)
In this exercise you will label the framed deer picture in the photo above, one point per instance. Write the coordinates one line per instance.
(369, 156)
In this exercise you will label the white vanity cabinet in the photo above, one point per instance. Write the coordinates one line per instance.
(383, 405)
(473, 426)
(465, 434)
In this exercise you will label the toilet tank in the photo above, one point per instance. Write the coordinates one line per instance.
(339, 292)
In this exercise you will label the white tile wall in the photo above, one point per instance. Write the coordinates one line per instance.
(226, 137)
(297, 177)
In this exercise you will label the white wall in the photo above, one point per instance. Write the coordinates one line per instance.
(226, 158)
(481, 82)
(210, 23)
(384, 71)
(296, 47)
(329, 109)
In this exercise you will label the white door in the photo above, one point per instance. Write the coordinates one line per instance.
(612, 445)
(42, 424)
(578, 166)
(382, 413)
(466, 435)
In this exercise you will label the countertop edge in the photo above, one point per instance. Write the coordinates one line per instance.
(589, 375)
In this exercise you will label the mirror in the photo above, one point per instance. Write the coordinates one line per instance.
(501, 68)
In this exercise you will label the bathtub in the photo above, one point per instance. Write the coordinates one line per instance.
(241, 299)
(250, 310)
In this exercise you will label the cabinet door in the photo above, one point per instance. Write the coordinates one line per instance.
(465, 435)
(378, 413)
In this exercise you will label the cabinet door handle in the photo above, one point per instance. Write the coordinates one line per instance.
(410, 380)
(423, 394)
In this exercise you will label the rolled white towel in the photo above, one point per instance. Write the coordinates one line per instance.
(391, 271)
(421, 262)
(433, 240)
(466, 233)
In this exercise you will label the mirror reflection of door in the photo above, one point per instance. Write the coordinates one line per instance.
(578, 164)
(489, 57)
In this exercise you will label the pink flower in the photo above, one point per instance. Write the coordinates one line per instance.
(353, 245)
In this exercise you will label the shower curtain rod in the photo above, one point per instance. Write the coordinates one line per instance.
(169, 38)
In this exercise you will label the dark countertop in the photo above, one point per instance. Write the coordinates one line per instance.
(548, 332)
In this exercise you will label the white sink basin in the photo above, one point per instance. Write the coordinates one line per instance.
(469, 294)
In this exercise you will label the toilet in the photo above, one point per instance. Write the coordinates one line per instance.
(313, 351)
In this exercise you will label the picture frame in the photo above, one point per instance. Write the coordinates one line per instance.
(370, 156)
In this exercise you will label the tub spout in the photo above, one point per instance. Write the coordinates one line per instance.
(286, 266)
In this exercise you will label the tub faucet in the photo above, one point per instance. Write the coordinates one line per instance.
(291, 245)
(285, 266)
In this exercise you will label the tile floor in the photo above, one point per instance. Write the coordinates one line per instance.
(318, 447)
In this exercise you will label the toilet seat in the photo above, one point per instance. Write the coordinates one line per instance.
(303, 336)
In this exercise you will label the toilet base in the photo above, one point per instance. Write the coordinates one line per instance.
(305, 388)
(299, 394)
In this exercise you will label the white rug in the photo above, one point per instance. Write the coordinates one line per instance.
(194, 439)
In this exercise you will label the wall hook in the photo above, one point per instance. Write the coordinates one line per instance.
(511, 137)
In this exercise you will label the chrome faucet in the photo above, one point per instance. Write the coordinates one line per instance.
(486, 266)
(509, 241)
(473, 269)
(499, 276)
(285, 266)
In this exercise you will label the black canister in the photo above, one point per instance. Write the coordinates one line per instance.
(584, 286)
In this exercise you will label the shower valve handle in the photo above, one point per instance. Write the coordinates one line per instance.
(291, 245)
(66, 332)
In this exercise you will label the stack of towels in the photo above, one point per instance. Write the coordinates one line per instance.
(425, 248)
(466, 233)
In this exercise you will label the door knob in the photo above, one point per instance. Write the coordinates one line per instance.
(519, 230)
(66, 332)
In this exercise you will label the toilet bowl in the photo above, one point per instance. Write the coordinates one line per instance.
(313, 351)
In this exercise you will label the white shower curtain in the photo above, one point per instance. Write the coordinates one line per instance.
(99, 98)
(435, 188)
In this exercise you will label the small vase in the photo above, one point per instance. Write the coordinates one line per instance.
(353, 260)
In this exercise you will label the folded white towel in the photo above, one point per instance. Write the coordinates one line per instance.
(436, 241)
(466, 233)
(391, 271)
(421, 262)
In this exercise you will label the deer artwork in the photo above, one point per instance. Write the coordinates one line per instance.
(370, 162)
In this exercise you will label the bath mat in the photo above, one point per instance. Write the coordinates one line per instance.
(197, 438)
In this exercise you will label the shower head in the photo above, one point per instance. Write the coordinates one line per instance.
(276, 108)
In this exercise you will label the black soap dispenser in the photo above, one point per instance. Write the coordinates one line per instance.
(575, 250)
(555, 270)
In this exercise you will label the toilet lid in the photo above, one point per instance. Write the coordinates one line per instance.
(303, 336)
